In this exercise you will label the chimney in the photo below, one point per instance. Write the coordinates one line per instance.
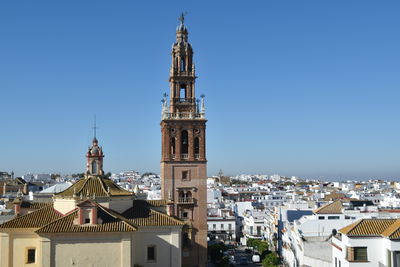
(17, 206)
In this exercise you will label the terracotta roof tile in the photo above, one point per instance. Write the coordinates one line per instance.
(141, 214)
(94, 186)
(35, 205)
(367, 227)
(35, 219)
(108, 222)
(331, 208)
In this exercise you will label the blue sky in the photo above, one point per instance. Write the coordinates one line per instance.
(307, 88)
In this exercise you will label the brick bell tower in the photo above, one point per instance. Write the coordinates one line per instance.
(183, 159)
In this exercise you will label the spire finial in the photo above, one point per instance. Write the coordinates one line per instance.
(94, 127)
(182, 17)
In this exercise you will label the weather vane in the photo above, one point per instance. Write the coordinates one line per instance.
(182, 17)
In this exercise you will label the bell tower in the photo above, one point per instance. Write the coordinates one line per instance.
(183, 157)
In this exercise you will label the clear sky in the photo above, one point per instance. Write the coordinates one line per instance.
(303, 87)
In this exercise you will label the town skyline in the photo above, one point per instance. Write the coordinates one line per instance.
(314, 100)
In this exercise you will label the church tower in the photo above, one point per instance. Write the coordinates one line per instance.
(183, 158)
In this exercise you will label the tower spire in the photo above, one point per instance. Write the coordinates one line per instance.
(182, 17)
(94, 128)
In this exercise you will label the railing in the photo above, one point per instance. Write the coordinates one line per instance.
(183, 115)
(186, 200)
(184, 156)
(185, 100)
(196, 156)
(172, 156)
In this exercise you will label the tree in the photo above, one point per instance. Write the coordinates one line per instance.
(271, 260)
(216, 252)
(108, 175)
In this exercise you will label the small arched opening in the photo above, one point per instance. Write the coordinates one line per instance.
(184, 142)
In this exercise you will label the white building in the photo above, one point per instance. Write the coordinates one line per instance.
(367, 243)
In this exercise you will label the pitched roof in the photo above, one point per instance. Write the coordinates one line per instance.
(110, 222)
(367, 227)
(35, 219)
(331, 208)
(141, 214)
(94, 186)
(157, 202)
(35, 205)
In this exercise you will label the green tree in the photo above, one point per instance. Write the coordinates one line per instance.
(216, 252)
(271, 260)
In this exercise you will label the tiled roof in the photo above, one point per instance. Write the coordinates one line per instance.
(393, 231)
(48, 220)
(157, 202)
(334, 196)
(35, 205)
(331, 208)
(94, 186)
(34, 219)
(367, 227)
(108, 222)
(141, 214)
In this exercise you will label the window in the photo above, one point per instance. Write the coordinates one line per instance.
(184, 215)
(230, 226)
(321, 217)
(173, 145)
(336, 262)
(196, 146)
(151, 253)
(94, 167)
(214, 227)
(185, 175)
(357, 254)
(222, 226)
(184, 142)
(333, 217)
(87, 220)
(182, 63)
(182, 92)
(31, 255)
(258, 230)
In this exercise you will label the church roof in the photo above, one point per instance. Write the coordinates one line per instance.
(110, 222)
(141, 214)
(48, 220)
(35, 219)
(94, 186)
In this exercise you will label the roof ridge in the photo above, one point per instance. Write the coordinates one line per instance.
(166, 215)
(70, 213)
(103, 185)
(117, 216)
(29, 213)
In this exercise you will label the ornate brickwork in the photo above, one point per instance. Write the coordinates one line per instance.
(183, 157)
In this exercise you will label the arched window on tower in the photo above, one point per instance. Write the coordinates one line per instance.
(196, 146)
(182, 93)
(172, 145)
(184, 142)
(94, 167)
(183, 67)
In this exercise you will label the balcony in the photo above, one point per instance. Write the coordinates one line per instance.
(184, 156)
(197, 156)
(183, 116)
(185, 200)
(185, 100)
